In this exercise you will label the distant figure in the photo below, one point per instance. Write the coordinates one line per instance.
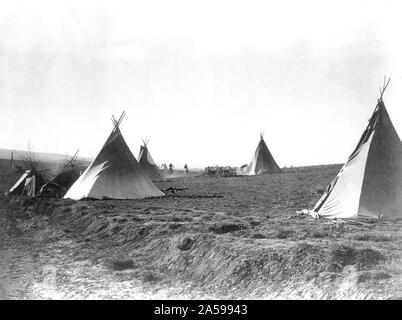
(164, 169)
(29, 187)
(171, 168)
(186, 168)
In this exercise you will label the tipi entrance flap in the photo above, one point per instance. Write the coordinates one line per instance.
(20, 187)
(19, 182)
(342, 198)
(87, 180)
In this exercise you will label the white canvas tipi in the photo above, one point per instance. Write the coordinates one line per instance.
(370, 183)
(114, 174)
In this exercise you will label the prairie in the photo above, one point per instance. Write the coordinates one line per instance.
(225, 238)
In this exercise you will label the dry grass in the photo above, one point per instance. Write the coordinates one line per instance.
(151, 277)
(226, 228)
(241, 244)
(284, 233)
(119, 265)
(341, 255)
(321, 234)
(371, 236)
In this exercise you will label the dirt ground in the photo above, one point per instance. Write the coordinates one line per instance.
(224, 238)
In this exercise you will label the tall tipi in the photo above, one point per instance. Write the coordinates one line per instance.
(263, 161)
(148, 164)
(114, 174)
(370, 183)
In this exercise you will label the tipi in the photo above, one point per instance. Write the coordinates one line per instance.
(31, 180)
(370, 183)
(21, 187)
(114, 174)
(262, 162)
(148, 164)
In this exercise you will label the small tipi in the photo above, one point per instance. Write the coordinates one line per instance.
(262, 162)
(148, 164)
(22, 188)
(370, 183)
(31, 180)
(114, 174)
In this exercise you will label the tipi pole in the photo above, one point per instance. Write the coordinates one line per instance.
(117, 122)
(382, 90)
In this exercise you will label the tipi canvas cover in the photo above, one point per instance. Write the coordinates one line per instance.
(370, 183)
(21, 187)
(262, 162)
(148, 164)
(114, 174)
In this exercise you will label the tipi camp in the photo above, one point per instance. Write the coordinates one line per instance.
(370, 183)
(148, 164)
(114, 173)
(262, 162)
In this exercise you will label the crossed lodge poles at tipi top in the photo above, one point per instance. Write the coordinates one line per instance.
(114, 173)
(370, 183)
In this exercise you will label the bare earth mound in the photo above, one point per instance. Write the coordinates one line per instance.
(213, 238)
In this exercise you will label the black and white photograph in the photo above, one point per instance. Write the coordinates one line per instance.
(221, 151)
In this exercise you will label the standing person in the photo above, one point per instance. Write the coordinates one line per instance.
(171, 168)
(186, 168)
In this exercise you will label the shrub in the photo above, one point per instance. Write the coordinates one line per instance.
(119, 265)
(345, 254)
(377, 237)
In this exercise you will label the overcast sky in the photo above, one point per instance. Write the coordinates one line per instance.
(200, 79)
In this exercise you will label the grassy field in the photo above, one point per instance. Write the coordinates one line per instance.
(231, 238)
